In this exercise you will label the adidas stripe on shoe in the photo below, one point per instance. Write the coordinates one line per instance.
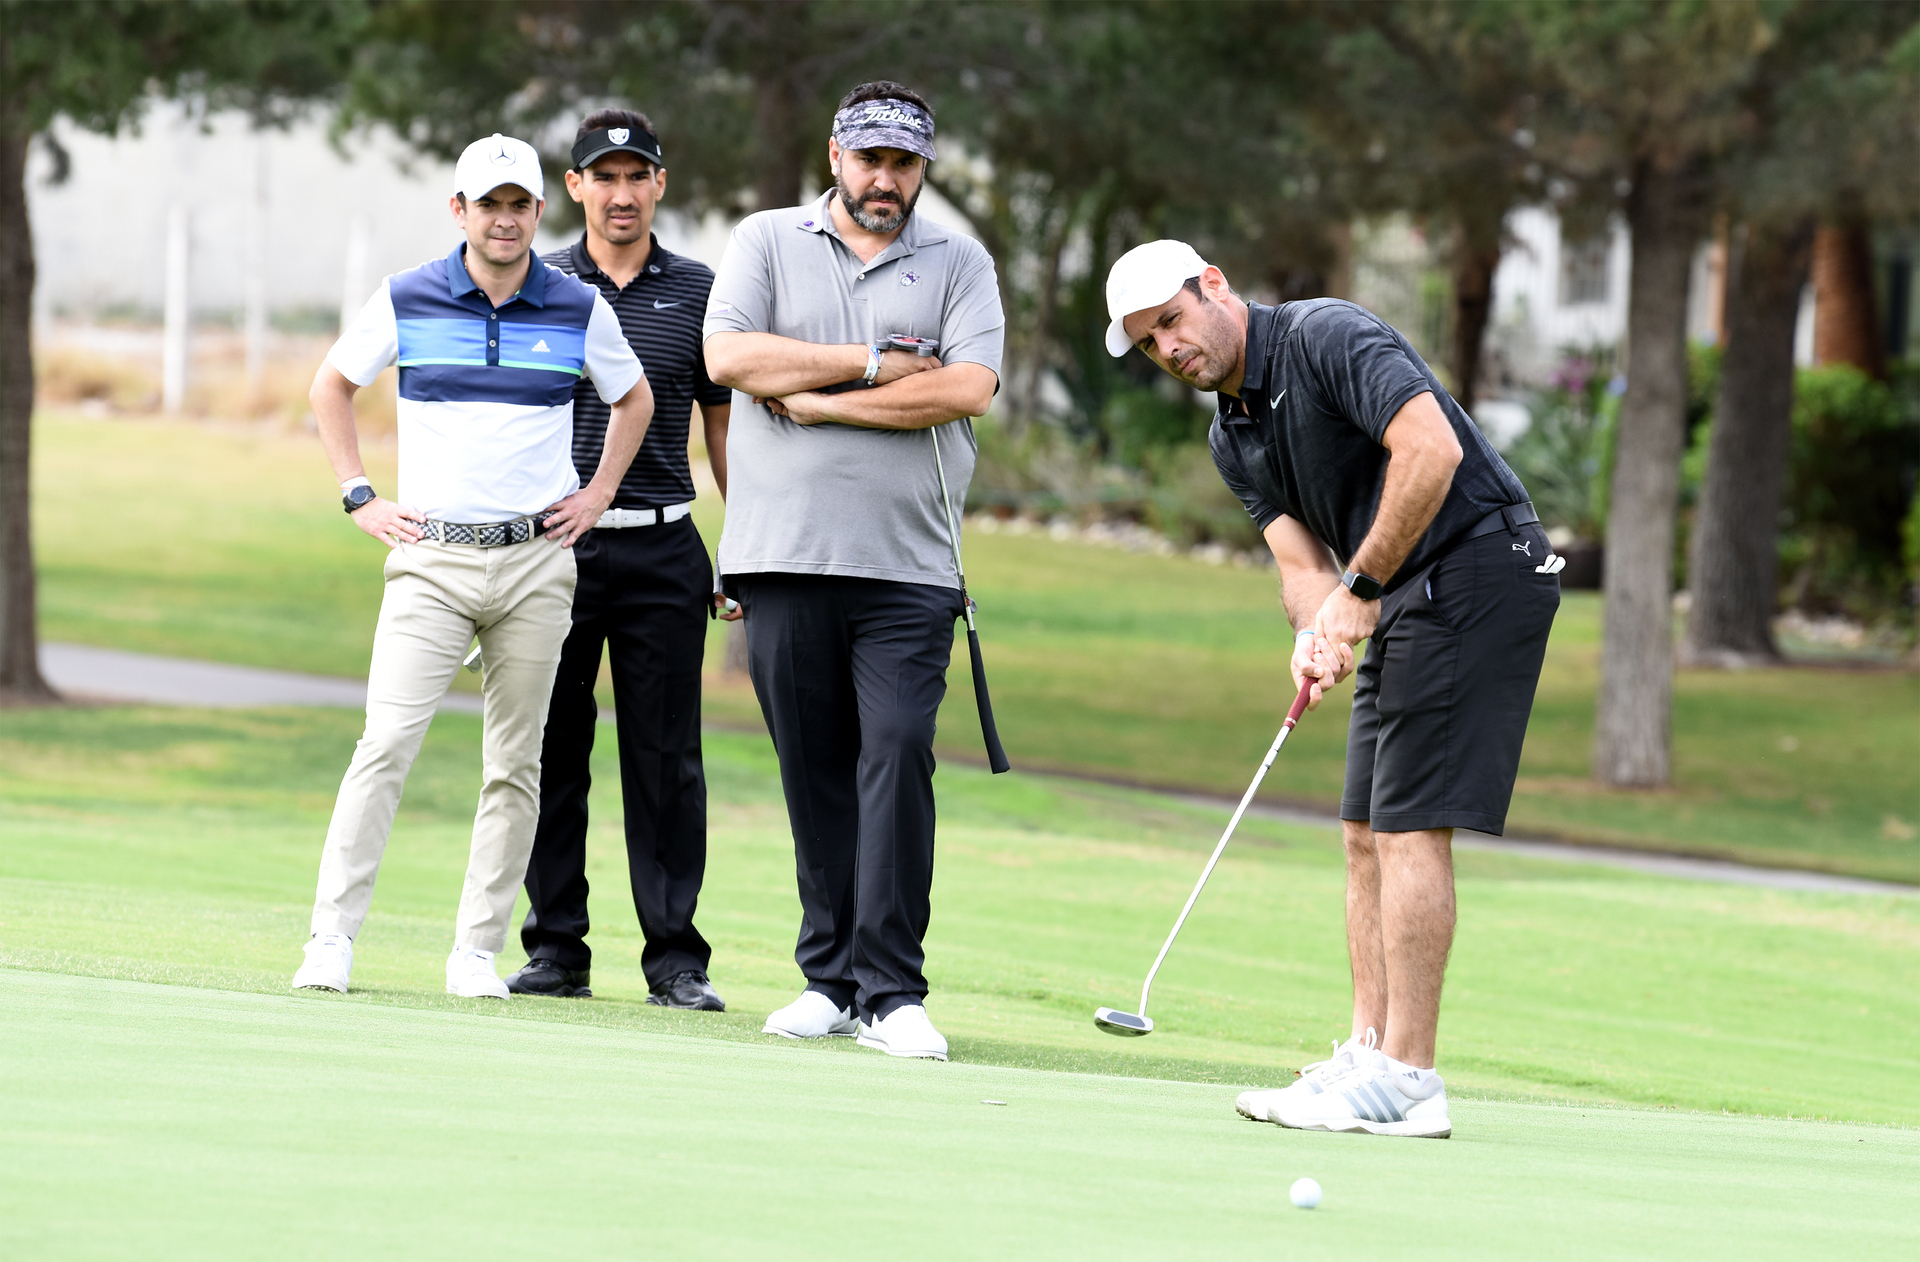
(1379, 1097)
(1259, 1106)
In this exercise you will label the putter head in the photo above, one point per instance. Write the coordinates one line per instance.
(1113, 1021)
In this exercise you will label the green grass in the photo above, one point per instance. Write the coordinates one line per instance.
(1159, 670)
(1624, 1053)
(180, 846)
(155, 1122)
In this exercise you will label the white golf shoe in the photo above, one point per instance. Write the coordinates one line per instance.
(1378, 1096)
(1313, 1079)
(811, 1016)
(470, 974)
(905, 1031)
(329, 963)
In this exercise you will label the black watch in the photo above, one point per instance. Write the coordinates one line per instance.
(1360, 585)
(358, 497)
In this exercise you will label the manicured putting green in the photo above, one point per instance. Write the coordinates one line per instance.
(162, 1121)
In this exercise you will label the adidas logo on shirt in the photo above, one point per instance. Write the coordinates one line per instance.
(541, 345)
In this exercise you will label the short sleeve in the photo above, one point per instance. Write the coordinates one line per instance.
(705, 392)
(1234, 474)
(371, 343)
(973, 327)
(611, 364)
(1362, 366)
(741, 300)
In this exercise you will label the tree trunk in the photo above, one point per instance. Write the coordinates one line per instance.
(1844, 328)
(1632, 745)
(1475, 259)
(1734, 558)
(779, 163)
(20, 679)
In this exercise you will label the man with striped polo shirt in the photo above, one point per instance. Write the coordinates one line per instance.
(646, 594)
(490, 342)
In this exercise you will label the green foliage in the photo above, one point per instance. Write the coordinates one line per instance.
(97, 62)
(1856, 450)
(1564, 458)
(1191, 505)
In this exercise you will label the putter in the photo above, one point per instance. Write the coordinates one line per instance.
(1135, 1024)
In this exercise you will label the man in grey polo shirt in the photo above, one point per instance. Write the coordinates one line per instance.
(836, 541)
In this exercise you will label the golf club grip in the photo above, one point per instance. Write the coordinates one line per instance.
(996, 755)
(1299, 706)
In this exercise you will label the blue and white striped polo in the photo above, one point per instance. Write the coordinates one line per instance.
(486, 393)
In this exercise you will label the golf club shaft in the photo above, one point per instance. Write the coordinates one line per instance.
(1273, 751)
(989, 730)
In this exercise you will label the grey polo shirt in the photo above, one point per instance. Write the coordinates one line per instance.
(839, 499)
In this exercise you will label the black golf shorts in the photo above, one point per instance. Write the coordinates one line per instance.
(1441, 700)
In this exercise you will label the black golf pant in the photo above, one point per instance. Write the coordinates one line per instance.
(850, 673)
(644, 593)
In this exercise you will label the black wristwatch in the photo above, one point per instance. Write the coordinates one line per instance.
(1360, 585)
(357, 497)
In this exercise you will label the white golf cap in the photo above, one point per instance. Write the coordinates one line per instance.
(1146, 276)
(487, 164)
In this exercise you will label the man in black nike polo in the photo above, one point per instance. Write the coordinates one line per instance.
(645, 593)
(1349, 454)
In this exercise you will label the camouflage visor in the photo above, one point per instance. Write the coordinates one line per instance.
(885, 124)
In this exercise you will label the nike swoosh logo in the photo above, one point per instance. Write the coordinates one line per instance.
(662, 306)
(1275, 401)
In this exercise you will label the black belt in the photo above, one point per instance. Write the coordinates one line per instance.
(1508, 518)
(486, 534)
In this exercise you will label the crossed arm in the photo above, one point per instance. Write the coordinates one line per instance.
(1422, 454)
(787, 375)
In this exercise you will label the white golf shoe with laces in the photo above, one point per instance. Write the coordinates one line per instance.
(811, 1016)
(471, 975)
(329, 963)
(1378, 1096)
(1260, 1105)
(905, 1031)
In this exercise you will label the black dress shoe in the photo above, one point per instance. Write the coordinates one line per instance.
(690, 989)
(544, 977)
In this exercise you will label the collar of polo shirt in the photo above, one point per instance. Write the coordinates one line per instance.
(532, 290)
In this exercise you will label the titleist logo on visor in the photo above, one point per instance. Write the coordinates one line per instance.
(885, 124)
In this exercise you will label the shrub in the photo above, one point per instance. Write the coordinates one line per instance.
(1856, 448)
(1191, 505)
(1566, 454)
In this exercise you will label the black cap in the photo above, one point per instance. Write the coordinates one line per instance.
(596, 145)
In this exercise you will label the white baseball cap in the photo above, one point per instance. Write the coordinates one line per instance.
(487, 164)
(1146, 276)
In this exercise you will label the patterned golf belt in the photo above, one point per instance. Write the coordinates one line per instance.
(624, 518)
(488, 534)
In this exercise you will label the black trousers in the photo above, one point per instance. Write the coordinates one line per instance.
(850, 673)
(644, 593)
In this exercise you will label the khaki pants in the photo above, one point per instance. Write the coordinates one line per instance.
(519, 600)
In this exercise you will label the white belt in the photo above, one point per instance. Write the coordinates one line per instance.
(622, 518)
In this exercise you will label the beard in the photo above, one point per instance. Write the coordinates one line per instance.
(1216, 348)
(878, 223)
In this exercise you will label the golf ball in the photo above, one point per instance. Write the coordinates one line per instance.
(1305, 1193)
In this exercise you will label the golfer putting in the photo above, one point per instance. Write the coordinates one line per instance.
(1342, 444)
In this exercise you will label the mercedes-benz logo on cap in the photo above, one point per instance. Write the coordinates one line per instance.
(618, 135)
(500, 157)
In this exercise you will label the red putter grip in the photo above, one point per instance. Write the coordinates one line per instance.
(1300, 703)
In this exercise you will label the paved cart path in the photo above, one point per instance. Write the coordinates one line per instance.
(110, 675)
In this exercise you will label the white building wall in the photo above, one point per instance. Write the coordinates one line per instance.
(1534, 322)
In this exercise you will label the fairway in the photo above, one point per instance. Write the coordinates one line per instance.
(226, 1125)
(1639, 1067)
(1159, 670)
